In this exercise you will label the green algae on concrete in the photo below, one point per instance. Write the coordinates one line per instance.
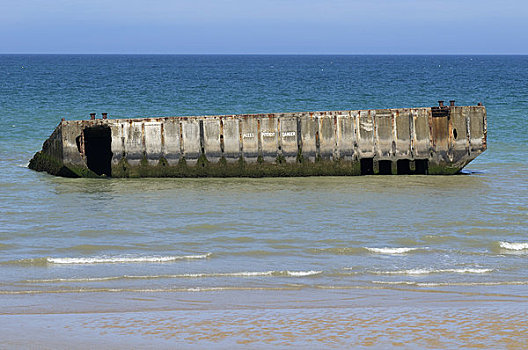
(239, 168)
(45, 162)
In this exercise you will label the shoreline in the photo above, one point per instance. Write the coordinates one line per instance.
(220, 320)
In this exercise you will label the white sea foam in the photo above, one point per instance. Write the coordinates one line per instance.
(387, 250)
(124, 259)
(431, 271)
(249, 274)
(407, 272)
(303, 273)
(185, 275)
(244, 274)
(232, 274)
(73, 280)
(395, 282)
(469, 284)
(470, 270)
(447, 284)
(513, 246)
(215, 289)
(224, 274)
(227, 288)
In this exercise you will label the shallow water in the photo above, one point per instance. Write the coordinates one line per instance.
(99, 246)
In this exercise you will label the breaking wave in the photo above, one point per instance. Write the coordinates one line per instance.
(106, 260)
(117, 260)
(302, 273)
(284, 273)
(513, 246)
(392, 251)
(185, 275)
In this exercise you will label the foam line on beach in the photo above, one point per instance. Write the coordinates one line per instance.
(277, 288)
(432, 271)
(447, 284)
(148, 290)
(364, 250)
(284, 273)
(74, 280)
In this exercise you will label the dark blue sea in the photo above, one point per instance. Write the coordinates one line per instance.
(304, 262)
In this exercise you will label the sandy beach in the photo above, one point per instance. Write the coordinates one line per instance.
(260, 319)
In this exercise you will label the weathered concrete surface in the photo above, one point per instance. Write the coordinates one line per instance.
(437, 140)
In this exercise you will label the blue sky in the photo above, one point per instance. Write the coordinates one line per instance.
(264, 26)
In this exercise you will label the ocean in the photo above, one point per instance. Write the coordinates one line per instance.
(365, 262)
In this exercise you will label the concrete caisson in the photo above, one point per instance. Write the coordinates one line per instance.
(428, 140)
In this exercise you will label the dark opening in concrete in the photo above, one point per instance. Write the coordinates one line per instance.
(422, 165)
(367, 166)
(385, 167)
(403, 167)
(97, 145)
(78, 142)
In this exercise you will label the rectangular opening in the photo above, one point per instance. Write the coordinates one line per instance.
(367, 166)
(422, 165)
(403, 166)
(385, 167)
(98, 148)
(440, 111)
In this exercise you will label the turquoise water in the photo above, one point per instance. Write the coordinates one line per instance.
(68, 244)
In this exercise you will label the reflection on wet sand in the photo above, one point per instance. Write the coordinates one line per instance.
(430, 328)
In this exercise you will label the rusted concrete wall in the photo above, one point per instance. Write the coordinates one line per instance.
(441, 139)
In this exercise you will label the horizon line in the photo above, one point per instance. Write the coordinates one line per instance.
(261, 54)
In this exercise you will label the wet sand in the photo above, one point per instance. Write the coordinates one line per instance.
(351, 318)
